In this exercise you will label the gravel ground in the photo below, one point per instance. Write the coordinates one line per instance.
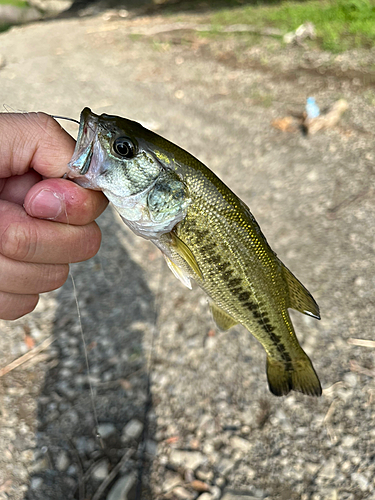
(180, 405)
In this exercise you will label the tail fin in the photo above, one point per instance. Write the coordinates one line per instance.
(299, 376)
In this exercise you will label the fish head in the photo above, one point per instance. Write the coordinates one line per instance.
(109, 156)
(128, 163)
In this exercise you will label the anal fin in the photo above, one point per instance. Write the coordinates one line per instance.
(223, 320)
(300, 298)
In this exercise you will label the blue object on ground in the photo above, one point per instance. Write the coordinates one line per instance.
(312, 109)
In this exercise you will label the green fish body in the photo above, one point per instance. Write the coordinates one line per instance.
(205, 232)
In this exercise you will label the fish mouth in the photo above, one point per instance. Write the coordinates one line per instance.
(81, 159)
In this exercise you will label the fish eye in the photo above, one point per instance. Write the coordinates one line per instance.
(124, 147)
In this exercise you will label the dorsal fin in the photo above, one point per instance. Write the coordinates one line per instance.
(223, 320)
(300, 298)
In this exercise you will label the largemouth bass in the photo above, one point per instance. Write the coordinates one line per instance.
(205, 232)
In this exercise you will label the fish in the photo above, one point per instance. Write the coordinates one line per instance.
(206, 234)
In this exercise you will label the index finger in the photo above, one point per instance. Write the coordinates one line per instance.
(33, 140)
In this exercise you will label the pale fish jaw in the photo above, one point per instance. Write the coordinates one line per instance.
(82, 161)
(83, 152)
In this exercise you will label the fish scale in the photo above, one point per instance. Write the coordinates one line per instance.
(206, 234)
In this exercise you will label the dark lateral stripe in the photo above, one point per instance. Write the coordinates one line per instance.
(209, 247)
(244, 296)
(223, 266)
(227, 274)
(234, 282)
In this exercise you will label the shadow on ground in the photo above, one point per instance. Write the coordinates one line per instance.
(162, 6)
(117, 308)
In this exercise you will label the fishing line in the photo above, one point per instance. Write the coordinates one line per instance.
(92, 394)
(157, 310)
(87, 363)
(65, 118)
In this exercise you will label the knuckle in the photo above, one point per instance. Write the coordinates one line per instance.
(46, 121)
(18, 241)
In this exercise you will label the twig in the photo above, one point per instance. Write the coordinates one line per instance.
(329, 391)
(26, 357)
(362, 342)
(355, 367)
(330, 412)
(112, 475)
(327, 420)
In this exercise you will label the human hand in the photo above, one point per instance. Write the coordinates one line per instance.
(35, 252)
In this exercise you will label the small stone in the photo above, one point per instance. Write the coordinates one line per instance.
(27, 455)
(132, 430)
(240, 443)
(188, 459)
(205, 496)
(72, 470)
(182, 493)
(215, 492)
(101, 471)
(199, 485)
(106, 430)
(348, 441)
(228, 495)
(39, 466)
(171, 481)
(329, 470)
(36, 483)
(220, 481)
(346, 466)
(206, 476)
(225, 466)
(151, 447)
(121, 488)
(350, 379)
(311, 468)
(361, 480)
(62, 461)
(210, 344)
(332, 495)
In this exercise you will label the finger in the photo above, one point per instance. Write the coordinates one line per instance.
(15, 188)
(64, 201)
(32, 240)
(29, 278)
(33, 140)
(13, 306)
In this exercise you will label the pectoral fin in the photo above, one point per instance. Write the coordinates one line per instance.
(178, 272)
(184, 251)
(300, 298)
(223, 320)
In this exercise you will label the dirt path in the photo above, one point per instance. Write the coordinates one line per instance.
(212, 418)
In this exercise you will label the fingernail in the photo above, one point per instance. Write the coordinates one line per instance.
(46, 205)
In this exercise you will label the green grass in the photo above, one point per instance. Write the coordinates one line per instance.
(16, 3)
(339, 24)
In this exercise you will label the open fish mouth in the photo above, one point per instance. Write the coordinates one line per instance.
(81, 159)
